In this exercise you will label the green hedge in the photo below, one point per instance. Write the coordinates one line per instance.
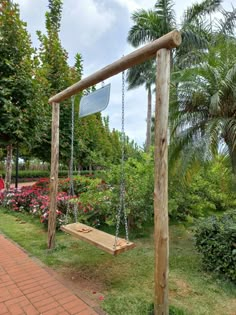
(28, 175)
(216, 241)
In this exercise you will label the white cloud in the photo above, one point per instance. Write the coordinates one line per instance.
(133, 5)
(23, 3)
(86, 21)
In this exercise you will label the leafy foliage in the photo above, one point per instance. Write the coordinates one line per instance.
(216, 241)
(202, 111)
(203, 190)
(138, 189)
(18, 113)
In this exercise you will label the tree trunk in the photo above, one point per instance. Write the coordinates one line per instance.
(149, 120)
(8, 167)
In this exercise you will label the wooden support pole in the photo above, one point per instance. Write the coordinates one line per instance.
(53, 175)
(170, 40)
(161, 233)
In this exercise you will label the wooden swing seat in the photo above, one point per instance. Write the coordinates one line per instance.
(98, 238)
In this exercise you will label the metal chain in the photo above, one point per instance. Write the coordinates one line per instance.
(123, 158)
(67, 212)
(75, 208)
(122, 182)
(71, 188)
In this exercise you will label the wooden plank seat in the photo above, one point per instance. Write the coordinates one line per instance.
(97, 238)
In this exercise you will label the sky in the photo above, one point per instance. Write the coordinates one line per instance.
(98, 30)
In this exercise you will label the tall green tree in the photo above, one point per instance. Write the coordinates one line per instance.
(56, 76)
(18, 113)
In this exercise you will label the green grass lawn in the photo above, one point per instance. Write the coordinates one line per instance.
(127, 281)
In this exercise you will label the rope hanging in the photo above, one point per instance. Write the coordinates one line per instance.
(122, 170)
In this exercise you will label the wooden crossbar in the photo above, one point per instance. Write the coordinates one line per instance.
(170, 40)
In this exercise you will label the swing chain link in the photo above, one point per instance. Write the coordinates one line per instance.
(123, 158)
(71, 187)
(75, 208)
(122, 182)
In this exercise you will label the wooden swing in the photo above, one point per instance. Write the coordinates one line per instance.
(161, 48)
(98, 238)
(112, 244)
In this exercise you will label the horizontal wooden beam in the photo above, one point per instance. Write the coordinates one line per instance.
(168, 41)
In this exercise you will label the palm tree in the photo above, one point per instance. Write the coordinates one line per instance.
(144, 74)
(203, 114)
(151, 24)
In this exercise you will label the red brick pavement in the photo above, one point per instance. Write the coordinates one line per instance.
(28, 289)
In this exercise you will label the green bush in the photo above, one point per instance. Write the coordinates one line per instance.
(94, 206)
(81, 184)
(139, 186)
(216, 241)
(203, 191)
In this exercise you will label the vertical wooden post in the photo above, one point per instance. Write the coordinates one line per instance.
(161, 184)
(53, 175)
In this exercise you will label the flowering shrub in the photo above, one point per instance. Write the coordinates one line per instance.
(35, 200)
(42, 183)
(95, 202)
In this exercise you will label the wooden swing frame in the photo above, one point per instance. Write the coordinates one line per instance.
(161, 49)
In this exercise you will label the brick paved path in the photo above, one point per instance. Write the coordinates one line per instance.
(28, 289)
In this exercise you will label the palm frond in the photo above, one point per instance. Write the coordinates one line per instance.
(144, 73)
(226, 25)
(164, 10)
(199, 10)
(231, 75)
(145, 29)
(190, 145)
